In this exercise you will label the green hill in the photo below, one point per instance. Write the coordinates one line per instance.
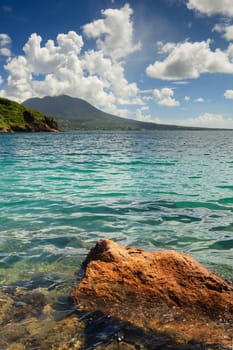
(15, 117)
(77, 114)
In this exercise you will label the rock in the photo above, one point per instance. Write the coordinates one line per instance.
(164, 291)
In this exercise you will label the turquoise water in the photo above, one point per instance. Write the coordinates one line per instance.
(61, 192)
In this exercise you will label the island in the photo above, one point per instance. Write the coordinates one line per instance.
(77, 114)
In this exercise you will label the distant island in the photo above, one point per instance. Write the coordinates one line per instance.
(77, 114)
(53, 113)
(16, 117)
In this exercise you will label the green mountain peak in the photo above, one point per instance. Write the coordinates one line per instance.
(77, 114)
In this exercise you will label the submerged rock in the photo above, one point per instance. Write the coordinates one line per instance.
(36, 315)
(166, 292)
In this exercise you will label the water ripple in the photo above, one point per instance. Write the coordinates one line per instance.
(62, 192)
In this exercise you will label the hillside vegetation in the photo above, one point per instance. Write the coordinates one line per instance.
(16, 117)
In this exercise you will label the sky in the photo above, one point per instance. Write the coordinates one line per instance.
(163, 61)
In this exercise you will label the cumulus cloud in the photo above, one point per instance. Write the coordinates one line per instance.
(211, 7)
(228, 94)
(112, 74)
(187, 98)
(4, 51)
(43, 60)
(5, 42)
(164, 97)
(62, 66)
(199, 100)
(188, 60)
(226, 30)
(114, 33)
(208, 120)
(141, 116)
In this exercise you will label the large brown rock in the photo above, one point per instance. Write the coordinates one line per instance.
(165, 290)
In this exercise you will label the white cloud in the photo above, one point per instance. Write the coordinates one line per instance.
(208, 120)
(187, 98)
(121, 112)
(4, 51)
(5, 42)
(164, 97)
(228, 94)
(180, 82)
(112, 74)
(199, 100)
(62, 66)
(1, 80)
(212, 7)
(43, 60)
(226, 30)
(162, 48)
(157, 120)
(189, 60)
(139, 115)
(205, 120)
(145, 108)
(114, 33)
(147, 98)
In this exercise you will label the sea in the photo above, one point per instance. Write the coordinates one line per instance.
(61, 192)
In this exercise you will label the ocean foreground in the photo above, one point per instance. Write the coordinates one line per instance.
(61, 192)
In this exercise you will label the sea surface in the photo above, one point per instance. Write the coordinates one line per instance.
(61, 192)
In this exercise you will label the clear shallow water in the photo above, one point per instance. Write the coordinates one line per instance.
(61, 192)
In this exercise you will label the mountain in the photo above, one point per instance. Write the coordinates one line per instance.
(77, 114)
(15, 117)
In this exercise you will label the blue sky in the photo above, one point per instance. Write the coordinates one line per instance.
(167, 61)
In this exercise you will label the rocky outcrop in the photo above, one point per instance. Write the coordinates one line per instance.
(28, 128)
(165, 291)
